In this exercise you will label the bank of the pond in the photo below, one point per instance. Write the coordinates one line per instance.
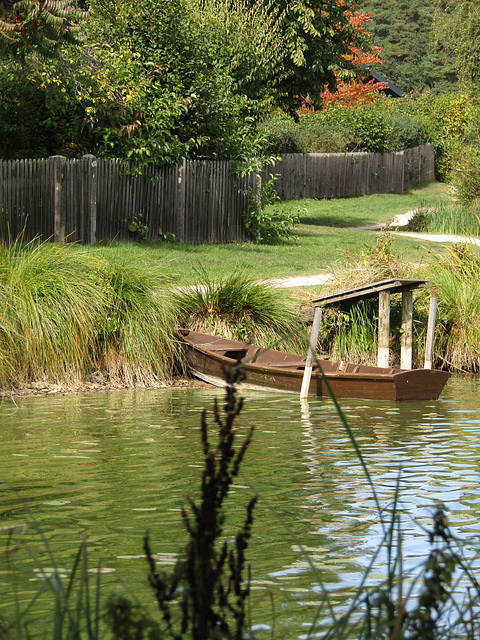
(38, 388)
(77, 319)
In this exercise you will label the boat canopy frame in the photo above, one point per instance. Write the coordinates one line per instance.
(383, 289)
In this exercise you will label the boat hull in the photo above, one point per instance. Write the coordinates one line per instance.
(280, 372)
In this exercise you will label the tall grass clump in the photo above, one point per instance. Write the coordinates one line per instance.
(351, 334)
(66, 315)
(448, 217)
(50, 312)
(136, 341)
(454, 281)
(238, 307)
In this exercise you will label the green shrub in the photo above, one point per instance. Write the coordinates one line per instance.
(465, 173)
(316, 136)
(450, 121)
(370, 129)
(26, 128)
(407, 132)
(375, 127)
(281, 135)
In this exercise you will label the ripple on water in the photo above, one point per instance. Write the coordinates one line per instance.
(114, 465)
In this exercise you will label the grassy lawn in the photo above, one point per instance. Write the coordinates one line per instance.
(323, 237)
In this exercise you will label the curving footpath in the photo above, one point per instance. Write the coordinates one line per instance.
(399, 221)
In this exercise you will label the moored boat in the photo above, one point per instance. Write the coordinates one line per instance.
(210, 358)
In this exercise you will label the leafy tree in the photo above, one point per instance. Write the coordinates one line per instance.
(318, 37)
(353, 86)
(458, 27)
(154, 80)
(105, 101)
(221, 57)
(413, 56)
(37, 25)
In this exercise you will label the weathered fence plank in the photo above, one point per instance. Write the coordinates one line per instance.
(356, 172)
(90, 199)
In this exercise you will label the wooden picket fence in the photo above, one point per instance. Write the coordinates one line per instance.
(90, 199)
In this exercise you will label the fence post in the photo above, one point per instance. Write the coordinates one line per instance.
(91, 227)
(257, 192)
(58, 206)
(181, 202)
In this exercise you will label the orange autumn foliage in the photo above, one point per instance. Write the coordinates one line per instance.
(352, 86)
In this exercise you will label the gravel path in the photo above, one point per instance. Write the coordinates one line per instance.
(400, 220)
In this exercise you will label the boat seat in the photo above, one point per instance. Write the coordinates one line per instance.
(297, 364)
(252, 354)
(224, 348)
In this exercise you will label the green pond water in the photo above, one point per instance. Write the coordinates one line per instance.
(111, 466)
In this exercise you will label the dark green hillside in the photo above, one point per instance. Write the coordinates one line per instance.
(405, 30)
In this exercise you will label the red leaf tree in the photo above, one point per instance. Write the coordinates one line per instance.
(354, 85)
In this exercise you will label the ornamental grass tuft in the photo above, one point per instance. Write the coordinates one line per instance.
(136, 341)
(240, 308)
(67, 314)
(454, 281)
(50, 312)
(449, 218)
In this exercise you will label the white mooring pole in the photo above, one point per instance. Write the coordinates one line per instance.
(432, 317)
(317, 319)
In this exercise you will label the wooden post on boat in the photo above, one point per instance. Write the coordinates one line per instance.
(406, 340)
(383, 328)
(307, 375)
(432, 317)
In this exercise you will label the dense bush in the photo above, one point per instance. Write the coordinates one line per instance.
(465, 173)
(317, 136)
(407, 132)
(26, 130)
(450, 121)
(375, 127)
(280, 134)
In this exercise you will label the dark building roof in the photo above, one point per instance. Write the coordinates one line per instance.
(391, 89)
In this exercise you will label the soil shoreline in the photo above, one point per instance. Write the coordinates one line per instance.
(49, 389)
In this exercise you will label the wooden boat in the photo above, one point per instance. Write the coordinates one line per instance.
(210, 358)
